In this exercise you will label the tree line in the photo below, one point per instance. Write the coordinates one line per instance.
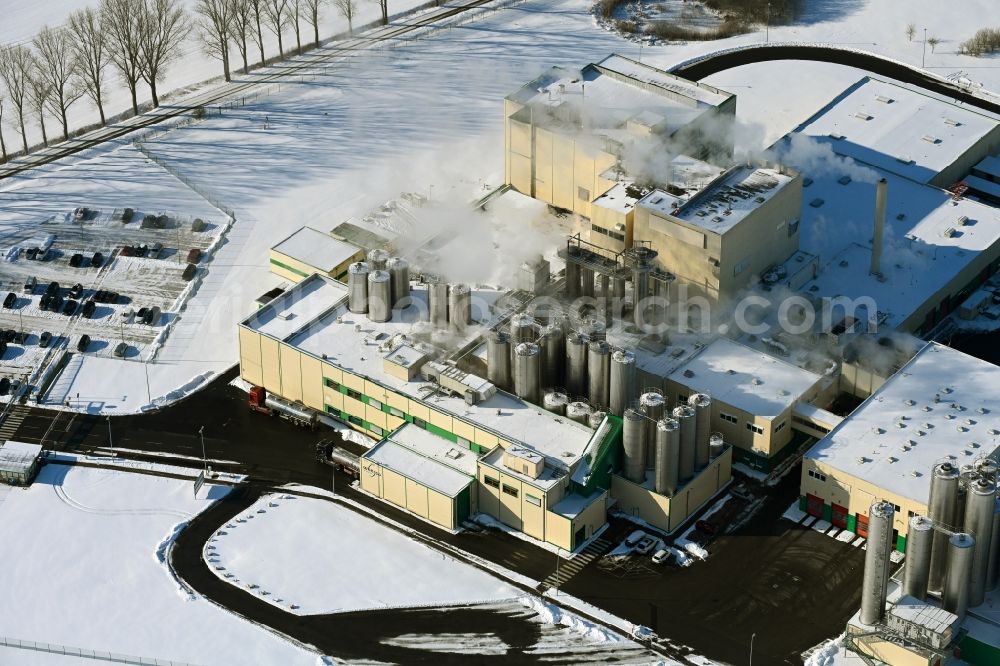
(137, 40)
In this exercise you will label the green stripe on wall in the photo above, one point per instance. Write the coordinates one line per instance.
(289, 268)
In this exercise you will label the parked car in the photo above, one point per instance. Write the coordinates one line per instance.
(152, 316)
(3, 348)
(154, 250)
(44, 339)
(126, 251)
(76, 291)
(194, 255)
(55, 305)
(83, 343)
(88, 308)
(97, 260)
(69, 309)
(29, 285)
(645, 545)
(31, 253)
(662, 555)
(4, 386)
(120, 349)
(81, 213)
(189, 272)
(76, 260)
(10, 300)
(634, 538)
(44, 304)
(707, 527)
(8, 335)
(52, 289)
(21, 337)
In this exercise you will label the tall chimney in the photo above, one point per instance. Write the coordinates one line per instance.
(881, 192)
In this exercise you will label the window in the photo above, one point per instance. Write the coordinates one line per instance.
(531, 499)
(741, 266)
(793, 227)
(329, 383)
(491, 482)
(510, 490)
(728, 417)
(756, 429)
(780, 426)
(419, 422)
(355, 420)
(681, 398)
(354, 394)
(583, 193)
(374, 403)
(396, 412)
(896, 507)
(598, 229)
(617, 236)
(375, 429)
(816, 475)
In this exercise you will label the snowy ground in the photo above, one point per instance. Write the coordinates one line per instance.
(427, 118)
(284, 548)
(83, 568)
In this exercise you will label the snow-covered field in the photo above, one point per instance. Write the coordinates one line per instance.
(82, 562)
(295, 553)
(424, 116)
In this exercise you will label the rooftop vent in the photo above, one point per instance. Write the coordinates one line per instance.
(916, 474)
(844, 180)
(688, 373)
(952, 122)
(816, 203)
(756, 381)
(892, 459)
(863, 115)
(835, 136)
(909, 403)
(930, 139)
(884, 99)
(806, 182)
(962, 221)
(878, 431)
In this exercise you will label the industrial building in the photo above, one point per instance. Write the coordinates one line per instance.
(941, 406)
(309, 251)
(19, 462)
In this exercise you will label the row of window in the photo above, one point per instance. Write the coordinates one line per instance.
(510, 490)
(816, 475)
(607, 232)
(780, 426)
(754, 428)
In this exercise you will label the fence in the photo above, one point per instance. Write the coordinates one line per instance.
(84, 653)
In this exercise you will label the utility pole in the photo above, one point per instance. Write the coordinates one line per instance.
(201, 431)
(111, 443)
(767, 25)
(923, 56)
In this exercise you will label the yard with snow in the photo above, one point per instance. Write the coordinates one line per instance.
(312, 556)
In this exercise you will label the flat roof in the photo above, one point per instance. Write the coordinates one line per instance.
(659, 78)
(425, 458)
(726, 201)
(18, 457)
(926, 242)
(990, 165)
(298, 306)
(314, 248)
(573, 504)
(745, 378)
(924, 614)
(905, 131)
(560, 440)
(982, 186)
(941, 405)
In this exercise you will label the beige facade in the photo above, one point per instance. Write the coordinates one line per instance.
(309, 251)
(669, 513)
(410, 495)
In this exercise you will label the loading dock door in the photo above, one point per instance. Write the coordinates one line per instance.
(814, 505)
(839, 518)
(862, 526)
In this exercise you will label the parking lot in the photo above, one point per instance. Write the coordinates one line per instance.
(115, 276)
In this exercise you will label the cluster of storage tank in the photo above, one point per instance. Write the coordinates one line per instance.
(953, 553)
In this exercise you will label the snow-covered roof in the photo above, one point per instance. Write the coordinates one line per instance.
(982, 185)
(914, 611)
(316, 249)
(298, 306)
(904, 131)
(573, 504)
(560, 440)
(942, 404)
(616, 199)
(726, 202)
(426, 458)
(989, 165)
(926, 240)
(633, 69)
(18, 457)
(745, 378)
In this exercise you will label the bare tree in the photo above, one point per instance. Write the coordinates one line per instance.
(933, 41)
(164, 25)
(56, 67)
(347, 8)
(15, 70)
(384, 6)
(39, 95)
(242, 19)
(91, 54)
(120, 19)
(257, 10)
(911, 30)
(215, 28)
(295, 13)
(276, 14)
(312, 9)
(3, 144)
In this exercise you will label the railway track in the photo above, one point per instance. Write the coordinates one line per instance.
(288, 70)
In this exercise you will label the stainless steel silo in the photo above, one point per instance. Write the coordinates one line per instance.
(987, 468)
(960, 503)
(459, 307)
(942, 508)
(634, 445)
(623, 381)
(961, 550)
(555, 402)
(594, 329)
(640, 294)
(357, 287)
(579, 411)
(379, 296)
(552, 339)
(526, 361)
(993, 571)
(685, 416)
(917, 570)
(716, 445)
(979, 523)
(523, 328)
(599, 372)
(399, 271)
(377, 259)
(498, 359)
(668, 452)
(702, 406)
(876, 578)
(654, 406)
(586, 282)
(576, 364)
(572, 280)
(596, 418)
(437, 301)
